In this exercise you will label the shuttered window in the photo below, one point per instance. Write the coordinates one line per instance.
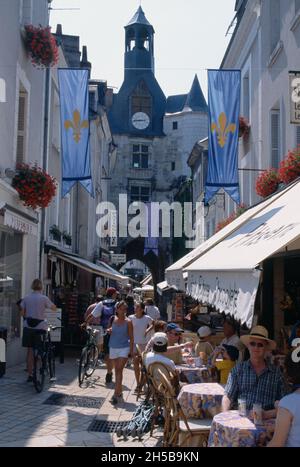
(21, 136)
(275, 138)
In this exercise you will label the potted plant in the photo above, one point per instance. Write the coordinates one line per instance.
(67, 238)
(55, 232)
(244, 127)
(41, 45)
(234, 215)
(267, 183)
(35, 186)
(290, 167)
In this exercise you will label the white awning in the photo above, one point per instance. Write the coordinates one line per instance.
(162, 287)
(226, 275)
(100, 269)
(174, 273)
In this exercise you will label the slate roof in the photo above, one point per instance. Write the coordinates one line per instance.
(139, 18)
(194, 100)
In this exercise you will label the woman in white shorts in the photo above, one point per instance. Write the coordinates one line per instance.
(120, 346)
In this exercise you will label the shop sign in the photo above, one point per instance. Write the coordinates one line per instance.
(294, 93)
(20, 224)
(118, 259)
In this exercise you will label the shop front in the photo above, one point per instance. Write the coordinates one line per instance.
(259, 255)
(72, 283)
(17, 234)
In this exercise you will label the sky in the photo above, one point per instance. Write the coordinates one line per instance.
(190, 36)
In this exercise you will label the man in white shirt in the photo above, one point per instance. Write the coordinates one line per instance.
(152, 310)
(160, 345)
(231, 338)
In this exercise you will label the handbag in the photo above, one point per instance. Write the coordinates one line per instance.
(33, 322)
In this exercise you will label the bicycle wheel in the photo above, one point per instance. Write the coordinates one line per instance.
(38, 372)
(82, 365)
(92, 360)
(51, 363)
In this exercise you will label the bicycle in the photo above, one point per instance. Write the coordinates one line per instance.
(89, 356)
(44, 359)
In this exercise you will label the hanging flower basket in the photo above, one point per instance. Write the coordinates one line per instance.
(290, 167)
(41, 45)
(244, 128)
(36, 188)
(267, 183)
(240, 210)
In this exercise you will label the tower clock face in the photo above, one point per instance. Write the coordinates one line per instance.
(140, 120)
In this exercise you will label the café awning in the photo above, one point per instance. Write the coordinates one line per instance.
(99, 269)
(227, 275)
(174, 273)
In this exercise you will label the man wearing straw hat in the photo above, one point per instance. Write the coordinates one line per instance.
(254, 380)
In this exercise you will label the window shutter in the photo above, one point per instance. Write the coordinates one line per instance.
(21, 129)
(275, 139)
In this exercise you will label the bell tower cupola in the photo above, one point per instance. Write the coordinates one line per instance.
(139, 45)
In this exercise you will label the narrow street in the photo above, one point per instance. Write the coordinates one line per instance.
(26, 421)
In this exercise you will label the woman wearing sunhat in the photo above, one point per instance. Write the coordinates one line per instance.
(255, 380)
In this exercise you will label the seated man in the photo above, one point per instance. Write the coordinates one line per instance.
(160, 344)
(174, 333)
(255, 380)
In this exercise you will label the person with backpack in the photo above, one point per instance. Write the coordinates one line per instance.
(104, 311)
(95, 323)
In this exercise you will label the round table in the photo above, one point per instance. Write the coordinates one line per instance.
(201, 400)
(192, 374)
(229, 429)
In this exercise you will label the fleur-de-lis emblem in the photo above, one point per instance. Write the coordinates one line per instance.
(77, 125)
(223, 129)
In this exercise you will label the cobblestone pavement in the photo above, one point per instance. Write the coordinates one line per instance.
(26, 421)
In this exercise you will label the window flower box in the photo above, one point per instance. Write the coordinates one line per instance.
(240, 210)
(41, 45)
(267, 183)
(56, 233)
(290, 167)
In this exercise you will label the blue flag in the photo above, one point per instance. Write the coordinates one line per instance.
(75, 129)
(224, 87)
(151, 243)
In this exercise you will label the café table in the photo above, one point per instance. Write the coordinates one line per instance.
(201, 400)
(193, 374)
(229, 429)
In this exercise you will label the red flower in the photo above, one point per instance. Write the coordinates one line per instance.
(234, 215)
(41, 45)
(244, 127)
(290, 167)
(36, 188)
(267, 183)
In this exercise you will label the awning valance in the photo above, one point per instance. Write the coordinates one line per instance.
(100, 269)
(226, 276)
(174, 273)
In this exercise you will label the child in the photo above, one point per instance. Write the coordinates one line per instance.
(230, 355)
(204, 346)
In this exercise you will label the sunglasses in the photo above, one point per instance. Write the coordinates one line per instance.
(260, 345)
(174, 334)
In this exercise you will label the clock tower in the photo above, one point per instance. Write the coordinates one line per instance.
(138, 109)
